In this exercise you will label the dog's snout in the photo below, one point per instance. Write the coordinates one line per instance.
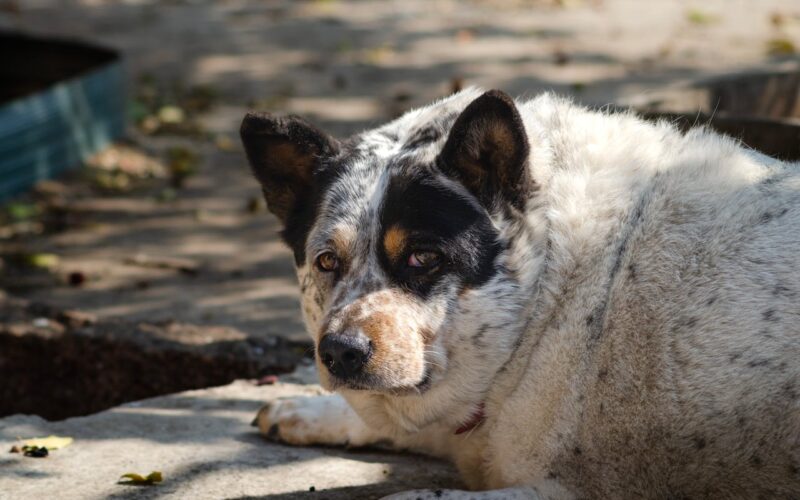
(344, 355)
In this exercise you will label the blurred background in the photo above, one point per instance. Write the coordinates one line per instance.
(163, 233)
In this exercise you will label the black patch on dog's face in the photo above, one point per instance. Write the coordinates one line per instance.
(432, 217)
(301, 218)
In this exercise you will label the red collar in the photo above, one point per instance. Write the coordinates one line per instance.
(476, 419)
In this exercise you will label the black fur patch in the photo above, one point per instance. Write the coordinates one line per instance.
(300, 220)
(437, 219)
(422, 137)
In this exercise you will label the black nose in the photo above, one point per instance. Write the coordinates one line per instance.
(344, 355)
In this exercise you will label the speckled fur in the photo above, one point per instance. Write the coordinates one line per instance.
(641, 337)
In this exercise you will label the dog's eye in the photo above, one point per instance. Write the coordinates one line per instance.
(423, 259)
(327, 262)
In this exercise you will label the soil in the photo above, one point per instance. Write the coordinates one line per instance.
(60, 364)
(32, 64)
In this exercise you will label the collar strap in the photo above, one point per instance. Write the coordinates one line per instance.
(475, 420)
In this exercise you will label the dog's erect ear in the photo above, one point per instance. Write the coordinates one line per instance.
(487, 151)
(284, 153)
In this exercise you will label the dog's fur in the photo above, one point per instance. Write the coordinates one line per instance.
(621, 299)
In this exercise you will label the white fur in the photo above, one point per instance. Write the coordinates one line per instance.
(656, 301)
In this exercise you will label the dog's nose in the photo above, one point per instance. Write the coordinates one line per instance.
(344, 355)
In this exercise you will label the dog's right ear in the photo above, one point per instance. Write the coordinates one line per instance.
(284, 154)
(487, 151)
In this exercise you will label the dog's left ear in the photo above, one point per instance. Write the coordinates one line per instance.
(487, 151)
(285, 154)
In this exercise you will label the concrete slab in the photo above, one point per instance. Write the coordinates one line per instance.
(204, 445)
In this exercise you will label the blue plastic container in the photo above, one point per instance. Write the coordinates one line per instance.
(60, 102)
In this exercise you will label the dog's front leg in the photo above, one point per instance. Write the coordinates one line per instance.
(324, 420)
(329, 420)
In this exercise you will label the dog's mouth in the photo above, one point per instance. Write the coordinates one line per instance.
(427, 381)
(368, 382)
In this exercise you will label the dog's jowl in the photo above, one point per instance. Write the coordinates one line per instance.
(566, 303)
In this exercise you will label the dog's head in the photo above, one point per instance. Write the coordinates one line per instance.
(401, 240)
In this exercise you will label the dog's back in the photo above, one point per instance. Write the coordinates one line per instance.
(664, 357)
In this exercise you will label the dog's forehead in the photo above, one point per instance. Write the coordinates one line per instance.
(369, 162)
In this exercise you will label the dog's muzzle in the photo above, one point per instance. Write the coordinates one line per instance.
(345, 355)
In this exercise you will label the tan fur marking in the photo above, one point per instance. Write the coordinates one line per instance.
(343, 237)
(394, 241)
(378, 327)
(398, 341)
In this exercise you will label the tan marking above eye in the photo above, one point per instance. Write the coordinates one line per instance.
(394, 241)
(342, 238)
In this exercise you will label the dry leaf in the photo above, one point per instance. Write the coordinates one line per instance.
(781, 47)
(41, 260)
(139, 480)
(49, 442)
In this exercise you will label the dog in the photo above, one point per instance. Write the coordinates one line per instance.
(566, 303)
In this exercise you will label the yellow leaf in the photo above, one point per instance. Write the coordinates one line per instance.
(41, 260)
(781, 47)
(138, 479)
(49, 442)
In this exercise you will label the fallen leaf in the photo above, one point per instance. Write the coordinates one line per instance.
(781, 47)
(49, 442)
(139, 480)
(777, 19)
(182, 163)
(171, 115)
(225, 143)
(200, 98)
(41, 260)
(22, 211)
(696, 16)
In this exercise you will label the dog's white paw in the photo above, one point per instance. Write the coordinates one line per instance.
(326, 420)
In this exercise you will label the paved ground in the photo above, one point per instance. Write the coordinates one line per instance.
(207, 254)
(203, 444)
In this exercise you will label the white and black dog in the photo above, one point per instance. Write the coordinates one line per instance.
(567, 303)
